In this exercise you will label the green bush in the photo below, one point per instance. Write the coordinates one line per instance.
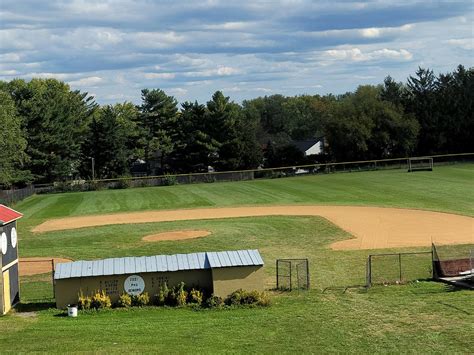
(181, 295)
(250, 298)
(124, 301)
(171, 299)
(169, 180)
(214, 302)
(141, 300)
(195, 297)
(121, 184)
(100, 300)
(235, 298)
(84, 302)
(162, 295)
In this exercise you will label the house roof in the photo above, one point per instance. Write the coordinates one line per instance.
(157, 263)
(306, 144)
(7, 215)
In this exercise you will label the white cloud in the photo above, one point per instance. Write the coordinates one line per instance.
(357, 55)
(165, 76)
(220, 71)
(224, 71)
(232, 26)
(10, 57)
(464, 43)
(177, 91)
(90, 81)
(8, 72)
(152, 40)
(376, 32)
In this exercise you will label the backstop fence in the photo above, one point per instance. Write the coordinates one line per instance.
(395, 268)
(292, 274)
(453, 262)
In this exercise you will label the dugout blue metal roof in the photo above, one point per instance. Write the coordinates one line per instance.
(157, 263)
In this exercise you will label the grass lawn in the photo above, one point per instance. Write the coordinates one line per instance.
(416, 317)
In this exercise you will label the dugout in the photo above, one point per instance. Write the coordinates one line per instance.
(219, 273)
(9, 278)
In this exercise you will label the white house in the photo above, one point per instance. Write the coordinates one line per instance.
(310, 147)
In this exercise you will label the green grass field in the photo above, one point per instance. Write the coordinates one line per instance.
(416, 317)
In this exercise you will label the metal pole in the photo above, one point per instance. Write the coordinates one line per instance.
(291, 281)
(369, 271)
(307, 272)
(277, 275)
(400, 266)
(52, 276)
(93, 172)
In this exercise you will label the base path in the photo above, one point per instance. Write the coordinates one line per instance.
(372, 227)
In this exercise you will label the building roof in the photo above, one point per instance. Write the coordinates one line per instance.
(7, 215)
(157, 263)
(303, 146)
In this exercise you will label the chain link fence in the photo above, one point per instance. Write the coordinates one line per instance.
(396, 268)
(292, 274)
(14, 195)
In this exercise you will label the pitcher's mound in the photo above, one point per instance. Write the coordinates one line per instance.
(176, 235)
(39, 265)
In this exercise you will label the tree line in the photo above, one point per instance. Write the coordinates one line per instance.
(51, 133)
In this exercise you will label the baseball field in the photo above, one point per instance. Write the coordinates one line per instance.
(334, 220)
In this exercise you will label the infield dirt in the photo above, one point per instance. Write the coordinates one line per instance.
(372, 227)
(176, 235)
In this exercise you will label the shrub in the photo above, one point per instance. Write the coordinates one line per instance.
(214, 302)
(181, 295)
(124, 301)
(84, 302)
(168, 180)
(235, 298)
(141, 300)
(100, 300)
(124, 183)
(171, 298)
(160, 298)
(252, 298)
(264, 300)
(195, 297)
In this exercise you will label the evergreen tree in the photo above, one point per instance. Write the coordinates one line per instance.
(55, 121)
(12, 144)
(157, 122)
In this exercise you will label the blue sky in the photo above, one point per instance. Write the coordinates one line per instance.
(113, 49)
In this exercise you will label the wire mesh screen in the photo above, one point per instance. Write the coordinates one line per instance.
(292, 274)
(418, 164)
(398, 268)
(454, 260)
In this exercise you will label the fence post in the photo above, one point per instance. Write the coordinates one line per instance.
(307, 272)
(291, 280)
(52, 276)
(369, 271)
(277, 274)
(400, 266)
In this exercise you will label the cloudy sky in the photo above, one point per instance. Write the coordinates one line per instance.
(113, 49)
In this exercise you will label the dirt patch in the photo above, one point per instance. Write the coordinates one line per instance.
(176, 235)
(39, 265)
(372, 227)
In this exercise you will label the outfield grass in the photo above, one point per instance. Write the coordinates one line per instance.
(447, 188)
(417, 317)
